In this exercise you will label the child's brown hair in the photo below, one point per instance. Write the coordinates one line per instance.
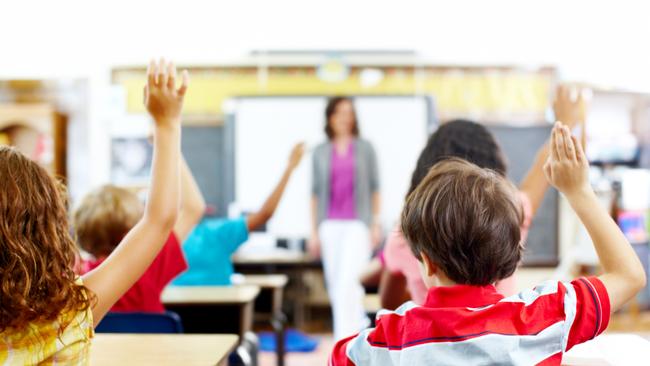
(104, 217)
(467, 221)
(37, 253)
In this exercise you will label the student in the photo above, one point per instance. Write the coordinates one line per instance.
(47, 312)
(462, 222)
(474, 143)
(108, 213)
(209, 247)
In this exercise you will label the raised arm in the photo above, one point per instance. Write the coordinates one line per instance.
(260, 217)
(569, 108)
(567, 169)
(140, 246)
(192, 204)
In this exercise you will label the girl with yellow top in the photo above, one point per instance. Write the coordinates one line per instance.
(47, 313)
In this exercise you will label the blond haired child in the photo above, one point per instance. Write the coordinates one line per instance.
(106, 214)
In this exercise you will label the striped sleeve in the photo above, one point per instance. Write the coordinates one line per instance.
(587, 310)
(339, 355)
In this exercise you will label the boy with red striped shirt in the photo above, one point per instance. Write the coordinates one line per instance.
(462, 222)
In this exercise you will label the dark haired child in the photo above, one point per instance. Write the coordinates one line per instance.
(462, 222)
(473, 142)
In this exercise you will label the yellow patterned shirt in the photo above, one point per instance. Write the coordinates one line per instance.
(41, 343)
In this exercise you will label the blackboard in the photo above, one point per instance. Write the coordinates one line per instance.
(520, 145)
(204, 151)
(209, 155)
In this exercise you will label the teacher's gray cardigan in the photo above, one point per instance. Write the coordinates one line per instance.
(366, 180)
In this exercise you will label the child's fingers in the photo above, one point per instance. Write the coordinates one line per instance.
(555, 145)
(171, 80)
(569, 150)
(559, 143)
(185, 82)
(145, 93)
(580, 153)
(163, 73)
(151, 74)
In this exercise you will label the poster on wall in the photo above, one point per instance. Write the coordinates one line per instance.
(131, 159)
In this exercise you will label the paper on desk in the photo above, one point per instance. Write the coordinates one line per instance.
(610, 350)
(263, 246)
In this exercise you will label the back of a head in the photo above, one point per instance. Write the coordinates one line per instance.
(461, 139)
(37, 253)
(104, 217)
(466, 220)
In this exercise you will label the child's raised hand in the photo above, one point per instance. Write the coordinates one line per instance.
(571, 104)
(163, 101)
(567, 168)
(296, 155)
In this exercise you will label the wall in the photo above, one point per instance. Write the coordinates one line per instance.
(602, 43)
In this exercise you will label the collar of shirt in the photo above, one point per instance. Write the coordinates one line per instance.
(462, 296)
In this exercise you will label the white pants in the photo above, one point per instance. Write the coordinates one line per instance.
(346, 251)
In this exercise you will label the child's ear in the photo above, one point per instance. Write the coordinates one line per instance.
(430, 269)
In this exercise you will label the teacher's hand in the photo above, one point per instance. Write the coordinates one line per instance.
(313, 246)
(376, 235)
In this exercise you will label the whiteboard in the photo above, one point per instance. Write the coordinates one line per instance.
(266, 128)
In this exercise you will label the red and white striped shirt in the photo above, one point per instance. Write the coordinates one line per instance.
(472, 325)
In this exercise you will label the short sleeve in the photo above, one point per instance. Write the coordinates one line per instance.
(339, 356)
(229, 234)
(169, 263)
(587, 310)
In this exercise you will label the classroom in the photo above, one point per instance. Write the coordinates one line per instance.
(289, 183)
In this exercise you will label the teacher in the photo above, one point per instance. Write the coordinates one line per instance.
(345, 213)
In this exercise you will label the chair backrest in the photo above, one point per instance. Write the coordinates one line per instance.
(136, 322)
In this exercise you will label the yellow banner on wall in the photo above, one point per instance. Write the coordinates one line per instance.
(491, 93)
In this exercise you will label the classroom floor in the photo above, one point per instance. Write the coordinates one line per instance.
(318, 357)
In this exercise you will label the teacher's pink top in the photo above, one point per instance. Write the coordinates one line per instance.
(342, 205)
(400, 259)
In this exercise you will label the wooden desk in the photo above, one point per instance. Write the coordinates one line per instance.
(610, 349)
(275, 260)
(273, 284)
(161, 349)
(293, 266)
(371, 303)
(268, 306)
(212, 309)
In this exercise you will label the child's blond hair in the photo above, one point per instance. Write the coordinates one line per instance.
(104, 217)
